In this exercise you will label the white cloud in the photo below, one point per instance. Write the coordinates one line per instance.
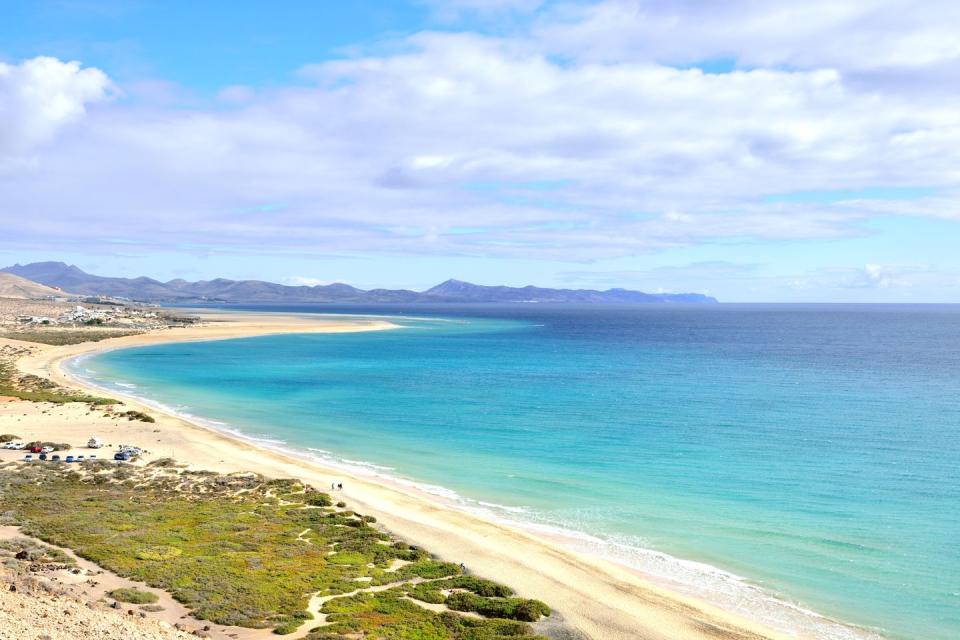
(39, 97)
(839, 34)
(444, 145)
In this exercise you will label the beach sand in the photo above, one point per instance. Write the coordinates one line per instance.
(599, 599)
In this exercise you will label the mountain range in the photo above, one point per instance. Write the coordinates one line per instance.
(71, 278)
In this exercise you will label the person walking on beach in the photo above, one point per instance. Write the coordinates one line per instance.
(340, 486)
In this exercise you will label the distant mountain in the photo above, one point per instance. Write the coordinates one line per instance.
(14, 286)
(467, 292)
(221, 290)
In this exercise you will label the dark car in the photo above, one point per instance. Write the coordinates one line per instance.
(70, 459)
(42, 456)
(55, 458)
(122, 455)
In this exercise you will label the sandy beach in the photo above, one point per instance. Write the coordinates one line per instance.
(599, 599)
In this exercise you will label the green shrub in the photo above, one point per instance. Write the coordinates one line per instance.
(8, 437)
(135, 415)
(479, 586)
(319, 500)
(427, 592)
(134, 596)
(512, 608)
(347, 557)
(287, 627)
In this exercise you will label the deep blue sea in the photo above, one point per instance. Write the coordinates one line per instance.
(813, 451)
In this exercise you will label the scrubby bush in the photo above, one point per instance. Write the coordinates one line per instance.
(163, 463)
(427, 592)
(136, 415)
(318, 500)
(8, 437)
(511, 608)
(134, 596)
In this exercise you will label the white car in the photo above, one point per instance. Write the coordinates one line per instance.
(8, 445)
(14, 445)
(47, 449)
(19, 445)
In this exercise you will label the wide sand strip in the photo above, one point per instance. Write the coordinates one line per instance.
(599, 598)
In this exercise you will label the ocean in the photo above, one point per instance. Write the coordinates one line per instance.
(779, 460)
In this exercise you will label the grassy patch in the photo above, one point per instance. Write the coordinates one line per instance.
(134, 596)
(37, 389)
(242, 550)
(66, 336)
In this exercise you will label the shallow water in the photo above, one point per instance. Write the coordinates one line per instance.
(812, 450)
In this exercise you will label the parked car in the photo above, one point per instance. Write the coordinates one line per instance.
(55, 458)
(19, 446)
(94, 443)
(43, 456)
(47, 449)
(28, 457)
(90, 457)
(123, 456)
(9, 445)
(70, 459)
(79, 458)
(36, 449)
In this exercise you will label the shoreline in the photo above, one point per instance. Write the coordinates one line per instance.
(596, 595)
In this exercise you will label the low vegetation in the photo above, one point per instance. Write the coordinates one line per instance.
(67, 336)
(29, 551)
(37, 389)
(134, 596)
(136, 415)
(243, 550)
(56, 446)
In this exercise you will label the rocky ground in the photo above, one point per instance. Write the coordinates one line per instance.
(37, 608)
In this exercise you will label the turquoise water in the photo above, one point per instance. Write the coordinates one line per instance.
(811, 450)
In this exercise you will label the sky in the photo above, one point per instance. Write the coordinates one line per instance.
(751, 150)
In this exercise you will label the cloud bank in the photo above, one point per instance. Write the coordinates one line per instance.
(590, 134)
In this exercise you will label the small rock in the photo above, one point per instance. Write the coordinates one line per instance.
(115, 605)
(13, 588)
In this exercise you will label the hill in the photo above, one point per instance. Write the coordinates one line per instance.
(14, 286)
(222, 290)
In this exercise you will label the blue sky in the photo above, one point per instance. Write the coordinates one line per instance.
(751, 151)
